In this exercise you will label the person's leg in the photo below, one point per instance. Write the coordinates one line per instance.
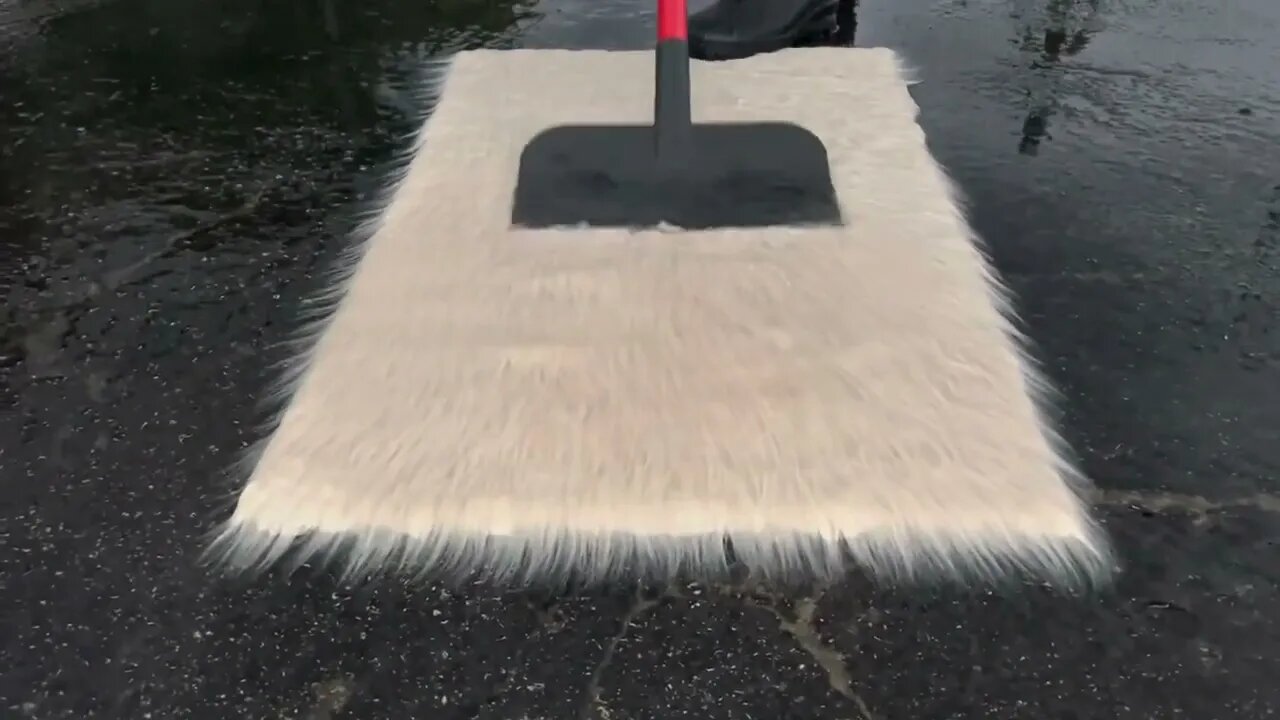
(732, 29)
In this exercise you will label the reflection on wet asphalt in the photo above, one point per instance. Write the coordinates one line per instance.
(176, 176)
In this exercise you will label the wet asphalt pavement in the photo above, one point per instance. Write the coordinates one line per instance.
(176, 176)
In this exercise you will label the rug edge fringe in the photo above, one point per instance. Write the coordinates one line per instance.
(1073, 564)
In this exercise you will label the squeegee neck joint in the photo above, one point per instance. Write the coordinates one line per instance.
(672, 110)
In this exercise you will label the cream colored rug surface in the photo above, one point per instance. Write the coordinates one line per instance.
(599, 403)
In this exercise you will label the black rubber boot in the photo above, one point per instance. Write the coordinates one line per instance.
(734, 29)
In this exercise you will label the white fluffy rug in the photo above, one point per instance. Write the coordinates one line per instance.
(599, 403)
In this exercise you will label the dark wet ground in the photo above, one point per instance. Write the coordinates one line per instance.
(176, 175)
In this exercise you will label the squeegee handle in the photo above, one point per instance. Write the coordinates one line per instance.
(673, 20)
(672, 113)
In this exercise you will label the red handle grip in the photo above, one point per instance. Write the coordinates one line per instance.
(673, 20)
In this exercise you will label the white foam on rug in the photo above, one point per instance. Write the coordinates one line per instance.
(535, 404)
